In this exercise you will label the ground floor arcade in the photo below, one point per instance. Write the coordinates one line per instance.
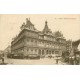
(37, 50)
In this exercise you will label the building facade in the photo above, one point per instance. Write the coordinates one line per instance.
(32, 41)
(69, 46)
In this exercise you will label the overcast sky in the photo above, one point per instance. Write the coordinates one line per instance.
(10, 24)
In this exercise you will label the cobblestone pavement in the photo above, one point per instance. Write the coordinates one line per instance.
(43, 61)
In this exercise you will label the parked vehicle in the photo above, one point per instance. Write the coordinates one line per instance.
(18, 56)
(42, 56)
(49, 56)
(15, 56)
(33, 56)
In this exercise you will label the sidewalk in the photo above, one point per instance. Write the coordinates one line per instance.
(43, 61)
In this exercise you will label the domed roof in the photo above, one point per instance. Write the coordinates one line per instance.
(46, 29)
(58, 34)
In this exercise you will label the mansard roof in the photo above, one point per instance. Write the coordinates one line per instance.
(46, 31)
(28, 25)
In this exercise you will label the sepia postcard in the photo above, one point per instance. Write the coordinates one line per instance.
(39, 39)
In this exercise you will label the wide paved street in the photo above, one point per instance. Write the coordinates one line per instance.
(43, 61)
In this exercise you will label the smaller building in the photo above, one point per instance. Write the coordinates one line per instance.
(76, 46)
(68, 52)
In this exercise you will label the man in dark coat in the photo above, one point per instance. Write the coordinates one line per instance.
(2, 60)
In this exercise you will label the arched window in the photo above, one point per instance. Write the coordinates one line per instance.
(35, 50)
(52, 52)
(47, 52)
(39, 51)
(32, 40)
(31, 49)
(27, 40)
(42, 51)
(27, 50)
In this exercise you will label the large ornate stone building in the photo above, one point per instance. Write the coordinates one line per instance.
(32, 41)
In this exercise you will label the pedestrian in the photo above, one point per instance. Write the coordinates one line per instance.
(77, 61)
(56, 61)
(2, 60)
(71, 61)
